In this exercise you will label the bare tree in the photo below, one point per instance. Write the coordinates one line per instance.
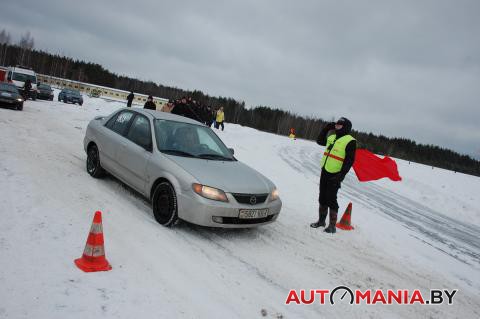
(5, 39)
(26, 44)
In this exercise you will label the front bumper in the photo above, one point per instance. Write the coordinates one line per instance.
(10, 102)
(198, 210)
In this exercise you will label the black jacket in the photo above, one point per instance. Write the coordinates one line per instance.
(349, 149)
(150, 105)
(130, 97)
(187, 111)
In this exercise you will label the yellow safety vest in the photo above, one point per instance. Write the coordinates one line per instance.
(333, 160)
(220, 116)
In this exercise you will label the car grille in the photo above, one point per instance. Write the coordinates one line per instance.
(241, 221)
(250, 199)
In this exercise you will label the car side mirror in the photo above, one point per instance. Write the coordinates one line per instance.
(232, 151)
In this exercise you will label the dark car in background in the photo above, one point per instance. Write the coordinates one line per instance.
(70, 96)
(44, 92)
(9, 96)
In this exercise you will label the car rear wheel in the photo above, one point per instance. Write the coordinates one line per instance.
(164, 203)
(93, 162)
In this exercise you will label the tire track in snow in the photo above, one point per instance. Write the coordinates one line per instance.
(452, 237)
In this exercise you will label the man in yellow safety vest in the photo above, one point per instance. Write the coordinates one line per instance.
(337, 160)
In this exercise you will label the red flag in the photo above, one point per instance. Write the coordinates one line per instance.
(370, 167)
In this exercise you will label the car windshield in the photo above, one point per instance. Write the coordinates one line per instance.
(44, 87)
(73, 92)
(190, 140)
(23, 77)
(8, 88)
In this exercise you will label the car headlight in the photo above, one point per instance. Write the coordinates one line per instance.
(210, 192)
(274, 195)
(19, 100)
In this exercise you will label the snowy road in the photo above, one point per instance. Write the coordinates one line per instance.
(47, 203)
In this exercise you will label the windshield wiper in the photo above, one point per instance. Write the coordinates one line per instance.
(214, 156)
(177, 152)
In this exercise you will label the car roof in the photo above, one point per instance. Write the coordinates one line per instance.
(17, 69)
(164, 116)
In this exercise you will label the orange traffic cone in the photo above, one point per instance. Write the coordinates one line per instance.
(346, 219)
(93, 258)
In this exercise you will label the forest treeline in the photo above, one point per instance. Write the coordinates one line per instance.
(263, 118)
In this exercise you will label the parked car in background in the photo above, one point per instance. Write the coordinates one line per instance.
(182, 167)
(10, 96)
(70, 96)
(18, 75)
(44, 91)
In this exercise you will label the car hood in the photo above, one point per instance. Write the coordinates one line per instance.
(229, 176)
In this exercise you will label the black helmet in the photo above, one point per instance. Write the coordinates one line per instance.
(346, 126)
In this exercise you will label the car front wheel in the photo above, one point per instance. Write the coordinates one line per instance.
(164, 203)
(93, 162)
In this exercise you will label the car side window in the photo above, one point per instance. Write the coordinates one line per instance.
(9, 76)
(120, 124)
(110, 121)
(140, 132)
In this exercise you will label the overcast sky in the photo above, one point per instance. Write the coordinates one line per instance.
(398, 68)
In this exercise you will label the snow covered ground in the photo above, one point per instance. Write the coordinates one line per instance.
(421, 233)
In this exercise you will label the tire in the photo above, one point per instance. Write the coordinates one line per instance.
(164, 204)
(65, 100)
(94, 168)
(20, 107)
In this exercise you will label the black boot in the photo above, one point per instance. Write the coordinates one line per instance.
(322, 215)
(333, 222)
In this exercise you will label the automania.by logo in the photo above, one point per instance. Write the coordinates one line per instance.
(343, 294)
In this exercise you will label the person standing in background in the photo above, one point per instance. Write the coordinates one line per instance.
(130, 98)
(220, 118)
(150, 105)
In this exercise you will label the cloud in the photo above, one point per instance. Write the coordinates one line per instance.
(405, 68)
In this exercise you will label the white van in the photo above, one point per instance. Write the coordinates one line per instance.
(19, 74)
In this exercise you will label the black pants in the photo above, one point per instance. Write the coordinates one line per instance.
(218, 124)
(328, 190)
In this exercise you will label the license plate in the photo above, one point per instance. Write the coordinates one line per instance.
(253, 213)
(6, 94)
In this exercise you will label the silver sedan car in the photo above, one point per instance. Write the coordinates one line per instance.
(182, 166)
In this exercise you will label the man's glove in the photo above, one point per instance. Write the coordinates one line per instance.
(330, 126)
